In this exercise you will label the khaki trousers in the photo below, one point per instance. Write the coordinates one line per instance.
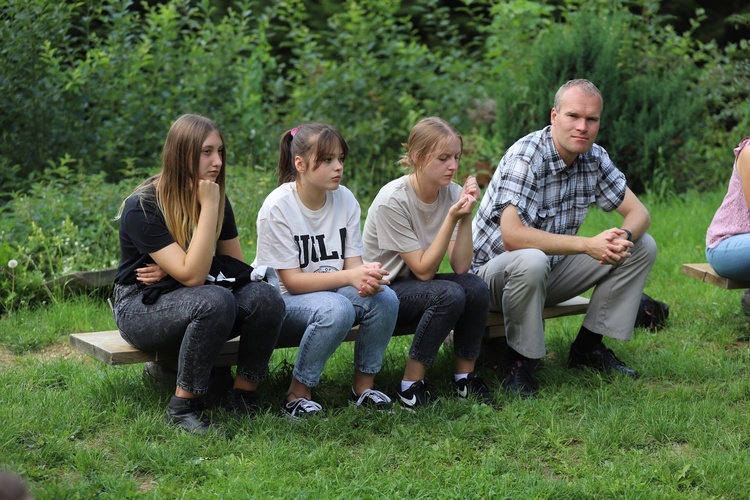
(521, 283)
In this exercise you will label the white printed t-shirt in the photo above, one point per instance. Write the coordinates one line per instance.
(290, 235)
(399, 222)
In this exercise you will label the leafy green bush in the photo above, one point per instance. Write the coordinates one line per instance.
(63, 224)
(724, 84)
(372, 76)
(99, 82)
(649, 104)
(31, 101)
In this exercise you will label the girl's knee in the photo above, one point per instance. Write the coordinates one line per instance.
(217, 301)
(261, 297)
(387, 301)
(452, 296)
(335, 310)
(475, 288)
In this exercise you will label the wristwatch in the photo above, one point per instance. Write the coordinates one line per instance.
(630, 235)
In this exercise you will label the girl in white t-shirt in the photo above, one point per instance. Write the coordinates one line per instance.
(308, 230)
(411, 225)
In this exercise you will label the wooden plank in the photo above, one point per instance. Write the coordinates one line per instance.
(577, 305)
(571, 307)
(109, 347)
(495, 326)
(704, 272)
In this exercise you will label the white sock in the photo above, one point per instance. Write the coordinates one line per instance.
(405, 384)
(460, 376)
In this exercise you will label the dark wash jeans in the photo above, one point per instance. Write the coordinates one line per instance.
(197, 321)
(447, 302)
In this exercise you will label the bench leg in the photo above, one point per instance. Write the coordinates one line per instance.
(490, 356)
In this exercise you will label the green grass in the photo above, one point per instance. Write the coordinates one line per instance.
(75, 428)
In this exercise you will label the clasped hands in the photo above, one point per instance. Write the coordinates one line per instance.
(370, 279)
(611, 247)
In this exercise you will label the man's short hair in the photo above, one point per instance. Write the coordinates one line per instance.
(586, 87)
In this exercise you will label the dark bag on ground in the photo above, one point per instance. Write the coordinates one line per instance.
(652, 314)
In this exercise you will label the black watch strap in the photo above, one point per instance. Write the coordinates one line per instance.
(630, 235)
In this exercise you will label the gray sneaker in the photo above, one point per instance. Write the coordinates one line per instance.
(746, 302)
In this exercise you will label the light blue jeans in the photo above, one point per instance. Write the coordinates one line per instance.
(731, 257)
(321, 321)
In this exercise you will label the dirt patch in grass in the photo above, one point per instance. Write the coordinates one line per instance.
(61, 350)
(57, 351)
(681, 450)
(741, 343)
(6, 358)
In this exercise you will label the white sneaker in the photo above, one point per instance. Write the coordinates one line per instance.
(371, 400)
(301, 408)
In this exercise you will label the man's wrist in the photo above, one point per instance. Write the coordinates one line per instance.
(630, 235)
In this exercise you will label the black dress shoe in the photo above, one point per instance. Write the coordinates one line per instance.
(518, 380)
(188, 414)
(244, 403)
(601, 359)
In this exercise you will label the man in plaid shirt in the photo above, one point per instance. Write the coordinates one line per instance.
(527, 250)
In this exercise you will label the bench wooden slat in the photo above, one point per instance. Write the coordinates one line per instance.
(111, 348)
(704, 272)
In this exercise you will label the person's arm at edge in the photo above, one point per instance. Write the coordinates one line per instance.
(743, 169)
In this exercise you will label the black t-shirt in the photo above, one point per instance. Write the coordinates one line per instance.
(143, 230)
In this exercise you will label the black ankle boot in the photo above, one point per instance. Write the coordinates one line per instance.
(188, 414)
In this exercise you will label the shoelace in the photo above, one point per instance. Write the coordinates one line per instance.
(376, 396)
(307, 406)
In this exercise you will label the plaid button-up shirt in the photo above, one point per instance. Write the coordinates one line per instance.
(547, 194)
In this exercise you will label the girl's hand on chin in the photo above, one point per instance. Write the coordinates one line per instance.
(208, 192)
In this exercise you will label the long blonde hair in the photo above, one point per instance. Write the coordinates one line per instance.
(175, 186)
(424, 139)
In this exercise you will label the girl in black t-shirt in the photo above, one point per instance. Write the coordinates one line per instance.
(174, 223)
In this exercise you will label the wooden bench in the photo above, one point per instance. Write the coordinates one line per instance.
(704, 272)
(109, 346)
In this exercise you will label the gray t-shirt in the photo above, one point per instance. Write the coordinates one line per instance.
(399, 222)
